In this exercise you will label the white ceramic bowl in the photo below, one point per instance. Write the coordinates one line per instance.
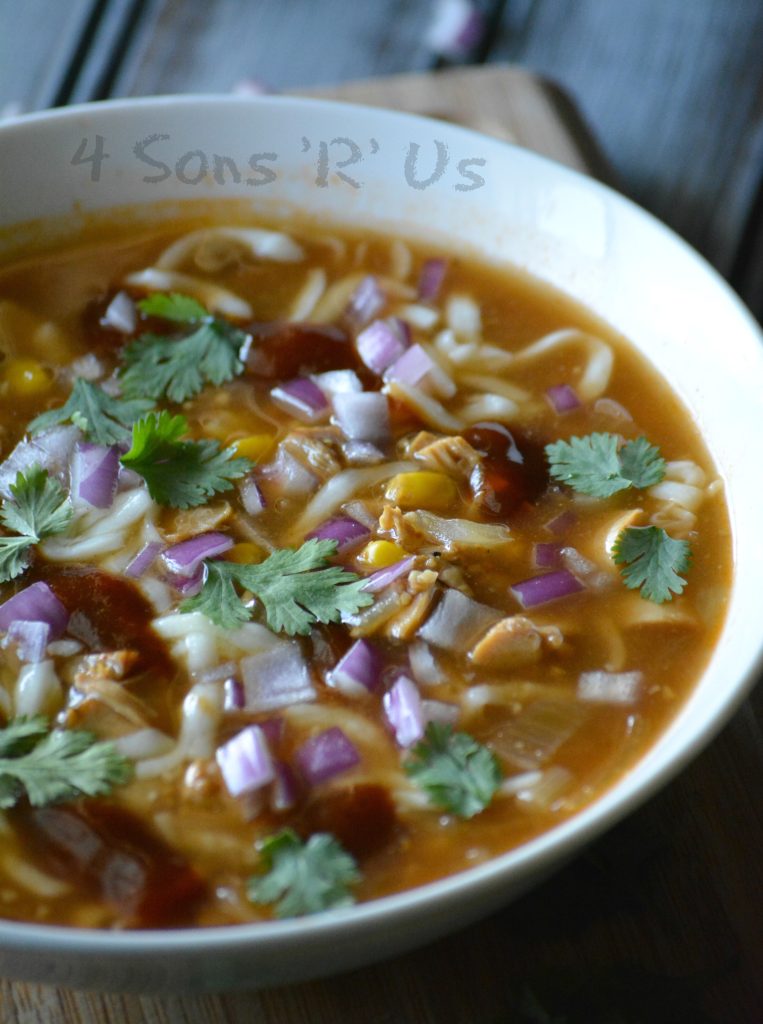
(564, 228)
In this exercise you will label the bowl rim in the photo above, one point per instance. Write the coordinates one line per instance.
(553, 846)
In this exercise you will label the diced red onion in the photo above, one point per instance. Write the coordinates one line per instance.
(547, 556)
(363, 417)
(302, 398)
(562, 523)
(431, 278)
(347, 533)
(184, 559)
(441, 711)
(411, 367)
(275, 678)
(549, 587)
(31, 639)
(94, 472)
(610, 687)
(325, 755)
(337, 382)
(273, 729)
(563, 398)
(120, 314)
(251, 496)
(144, 559)
(423, 664)
(245, 761)
(187, 586)
(402, 706)
(456, 28)
(233, 694)
(284, 791)
(358, 671)
(383, 577)
(36, 603)
(381, 343)
(457, 622)
(365, 302)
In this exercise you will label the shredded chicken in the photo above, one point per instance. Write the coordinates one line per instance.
(97, 699)
(451, 455)
(421, 580)
(315, 453)
(404, 625)
(104, 665)
(514, 642)
(420, 529)
(189, 522)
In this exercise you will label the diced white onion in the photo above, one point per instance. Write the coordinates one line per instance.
(463, 316)
(457, 622)
(534, 736)
(610, 687)
(424, 665)
(121, 314)
(38, 690)
(144, 743)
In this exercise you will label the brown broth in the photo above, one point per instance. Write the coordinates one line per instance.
(188, 805)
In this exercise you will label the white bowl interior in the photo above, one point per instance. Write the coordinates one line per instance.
(561, 227)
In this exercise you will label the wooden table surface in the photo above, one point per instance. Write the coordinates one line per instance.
(661, 920)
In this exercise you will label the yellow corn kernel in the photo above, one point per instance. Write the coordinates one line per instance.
(378, 554)
(26, 377)
(426, 489)
(245, 553)
(256, 447)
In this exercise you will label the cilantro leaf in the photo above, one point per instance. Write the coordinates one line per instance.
(217, 598)
(296, 588)
(178, 368)
(15, 556)
(653, 561)
(39, 509)
(459, 774)
(104, 419)
(51, 766)
(641, 463)
(303, 878)
(21, 734)
(180, 473)
(181, 308)
(593, 465)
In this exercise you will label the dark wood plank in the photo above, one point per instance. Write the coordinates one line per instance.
(674, 91)
(209, 47)
(39, 41)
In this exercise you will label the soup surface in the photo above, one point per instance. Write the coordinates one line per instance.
(330, 566)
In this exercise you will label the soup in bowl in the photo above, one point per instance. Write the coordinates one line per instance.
(350, 578)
